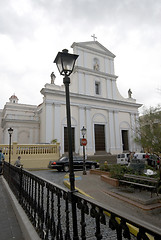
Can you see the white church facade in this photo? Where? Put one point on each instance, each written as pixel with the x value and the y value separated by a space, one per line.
pixel 95 102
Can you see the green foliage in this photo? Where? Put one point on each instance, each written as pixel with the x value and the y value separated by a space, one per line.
pixel 105 167
pixel 54 141
pixel 148 133
pixel 117 171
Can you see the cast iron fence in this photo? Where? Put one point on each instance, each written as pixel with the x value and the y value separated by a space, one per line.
pixel 49 208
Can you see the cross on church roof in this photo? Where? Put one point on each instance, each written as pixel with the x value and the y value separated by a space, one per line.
pixel 94 37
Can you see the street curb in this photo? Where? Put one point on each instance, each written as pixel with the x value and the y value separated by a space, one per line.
pixel 27 228
pixel 134 203
pixel 67 184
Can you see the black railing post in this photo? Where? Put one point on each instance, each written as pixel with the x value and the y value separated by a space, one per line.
pixel 9 157
pixel 20 190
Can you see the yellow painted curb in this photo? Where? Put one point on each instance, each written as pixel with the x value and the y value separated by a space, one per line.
pixel 67 184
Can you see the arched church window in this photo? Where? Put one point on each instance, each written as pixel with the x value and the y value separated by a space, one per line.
pixel 96 64
pixel 97 88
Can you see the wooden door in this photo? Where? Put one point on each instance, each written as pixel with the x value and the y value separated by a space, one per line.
pixel 99 137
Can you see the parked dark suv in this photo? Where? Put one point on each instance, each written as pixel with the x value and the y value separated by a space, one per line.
pixel 63 164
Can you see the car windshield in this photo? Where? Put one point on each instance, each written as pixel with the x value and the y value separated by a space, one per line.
pixel 63 159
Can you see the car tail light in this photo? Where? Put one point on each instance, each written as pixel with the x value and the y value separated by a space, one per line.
pixel 53 163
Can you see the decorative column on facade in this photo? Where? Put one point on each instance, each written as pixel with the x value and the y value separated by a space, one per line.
pixel 117 132
pixel 49 123
pixel 87 85
pixel 82 123
pixel 106 62
pixel 89 134
pixel 57 123
pixel 80 85
pixel 112 71
pixel 84 59
pixel 109 89
pixel 113 89
pixel 112 132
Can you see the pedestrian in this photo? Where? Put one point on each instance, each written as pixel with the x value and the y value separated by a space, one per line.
pixel 18 162
pixel 1 161
pixel 129 157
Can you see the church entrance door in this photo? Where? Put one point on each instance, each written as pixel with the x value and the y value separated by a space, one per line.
pixel 99 131
pixel 125 141
pixel 66 139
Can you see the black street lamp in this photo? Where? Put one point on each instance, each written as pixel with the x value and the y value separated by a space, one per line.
pixel 10 131
pixel 83 131
pixel 65 63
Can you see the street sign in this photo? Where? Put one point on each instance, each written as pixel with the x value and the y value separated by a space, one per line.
pixel 83 141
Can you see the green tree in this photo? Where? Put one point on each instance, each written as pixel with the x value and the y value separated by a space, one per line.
pixel 54 141
pixel 148 132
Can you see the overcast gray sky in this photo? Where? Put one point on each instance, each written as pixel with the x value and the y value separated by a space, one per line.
pixel 33 31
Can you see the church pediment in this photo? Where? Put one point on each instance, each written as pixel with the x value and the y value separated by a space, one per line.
pixel 93 46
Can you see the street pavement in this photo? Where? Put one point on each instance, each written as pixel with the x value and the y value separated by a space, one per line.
pixel 138 204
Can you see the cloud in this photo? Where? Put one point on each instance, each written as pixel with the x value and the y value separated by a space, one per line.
pixel 32 32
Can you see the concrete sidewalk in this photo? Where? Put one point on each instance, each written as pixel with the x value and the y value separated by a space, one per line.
pixel 9 226
pixel 134 203
pixel 14 223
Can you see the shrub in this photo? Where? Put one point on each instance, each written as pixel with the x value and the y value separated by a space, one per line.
pixel 105 168
pixel 118 171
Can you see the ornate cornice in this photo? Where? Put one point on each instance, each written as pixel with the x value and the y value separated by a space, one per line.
pixel 88 98
pixel 95 73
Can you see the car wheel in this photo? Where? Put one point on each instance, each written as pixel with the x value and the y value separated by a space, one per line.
pixel 93 166
pixel 66 168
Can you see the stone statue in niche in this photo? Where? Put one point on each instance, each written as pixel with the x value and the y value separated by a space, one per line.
pixel 52 78
pixel 96 64
pixel 129 93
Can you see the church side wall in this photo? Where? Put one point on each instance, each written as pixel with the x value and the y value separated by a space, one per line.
pixel 1 130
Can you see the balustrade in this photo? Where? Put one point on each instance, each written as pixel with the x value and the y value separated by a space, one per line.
pixel 32 155
pixel 48 207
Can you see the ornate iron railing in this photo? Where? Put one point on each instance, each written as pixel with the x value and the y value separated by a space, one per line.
pixel 49 208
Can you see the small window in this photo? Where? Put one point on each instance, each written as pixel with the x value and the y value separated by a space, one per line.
pixel 97 88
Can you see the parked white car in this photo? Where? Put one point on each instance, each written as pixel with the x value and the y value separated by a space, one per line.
pixel 140 156
pixel 122 158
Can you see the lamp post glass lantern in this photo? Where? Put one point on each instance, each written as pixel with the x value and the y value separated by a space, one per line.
pixel 65 63
pixel 83 131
